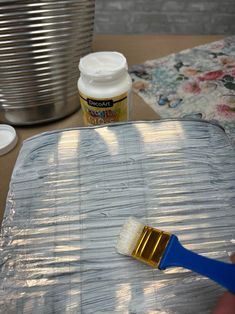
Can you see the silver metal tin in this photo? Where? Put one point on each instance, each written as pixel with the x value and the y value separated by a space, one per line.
pixel 41 43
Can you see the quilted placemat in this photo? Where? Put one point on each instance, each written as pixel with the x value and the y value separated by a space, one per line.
pixel 198 82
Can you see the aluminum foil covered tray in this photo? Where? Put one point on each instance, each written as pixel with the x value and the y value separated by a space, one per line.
pixel 70 193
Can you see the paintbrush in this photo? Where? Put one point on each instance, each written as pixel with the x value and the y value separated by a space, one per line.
pixel 162 250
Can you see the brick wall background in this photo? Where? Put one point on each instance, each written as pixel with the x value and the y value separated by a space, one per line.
pixel 165 17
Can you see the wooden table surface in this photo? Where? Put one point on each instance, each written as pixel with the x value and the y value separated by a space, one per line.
pixel 137 49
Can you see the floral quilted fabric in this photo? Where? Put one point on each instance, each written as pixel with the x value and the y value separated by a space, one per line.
pixel 198 82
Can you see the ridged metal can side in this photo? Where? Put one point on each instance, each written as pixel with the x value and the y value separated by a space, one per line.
pixel 41 43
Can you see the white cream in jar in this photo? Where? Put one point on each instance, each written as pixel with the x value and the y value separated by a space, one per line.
pixel 104 87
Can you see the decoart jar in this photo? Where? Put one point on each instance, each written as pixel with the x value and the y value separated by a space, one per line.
pixel 104 88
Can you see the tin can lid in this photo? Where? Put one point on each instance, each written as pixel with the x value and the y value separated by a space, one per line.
pixel 8 138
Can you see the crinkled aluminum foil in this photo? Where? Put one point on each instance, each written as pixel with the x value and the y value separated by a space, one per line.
pixel 72 190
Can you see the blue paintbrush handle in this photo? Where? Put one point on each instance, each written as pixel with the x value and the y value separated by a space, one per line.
pixel 176 255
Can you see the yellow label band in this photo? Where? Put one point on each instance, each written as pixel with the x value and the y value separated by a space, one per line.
pixel 107 110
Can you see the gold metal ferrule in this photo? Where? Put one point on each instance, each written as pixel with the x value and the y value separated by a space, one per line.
pixel 151 246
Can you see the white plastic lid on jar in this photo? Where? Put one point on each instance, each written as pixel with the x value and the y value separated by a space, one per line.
pixel 103 65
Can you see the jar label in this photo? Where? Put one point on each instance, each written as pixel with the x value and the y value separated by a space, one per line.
pixel 100 111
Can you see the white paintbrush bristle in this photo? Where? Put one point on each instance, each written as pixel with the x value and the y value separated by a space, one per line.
pixel 129 236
